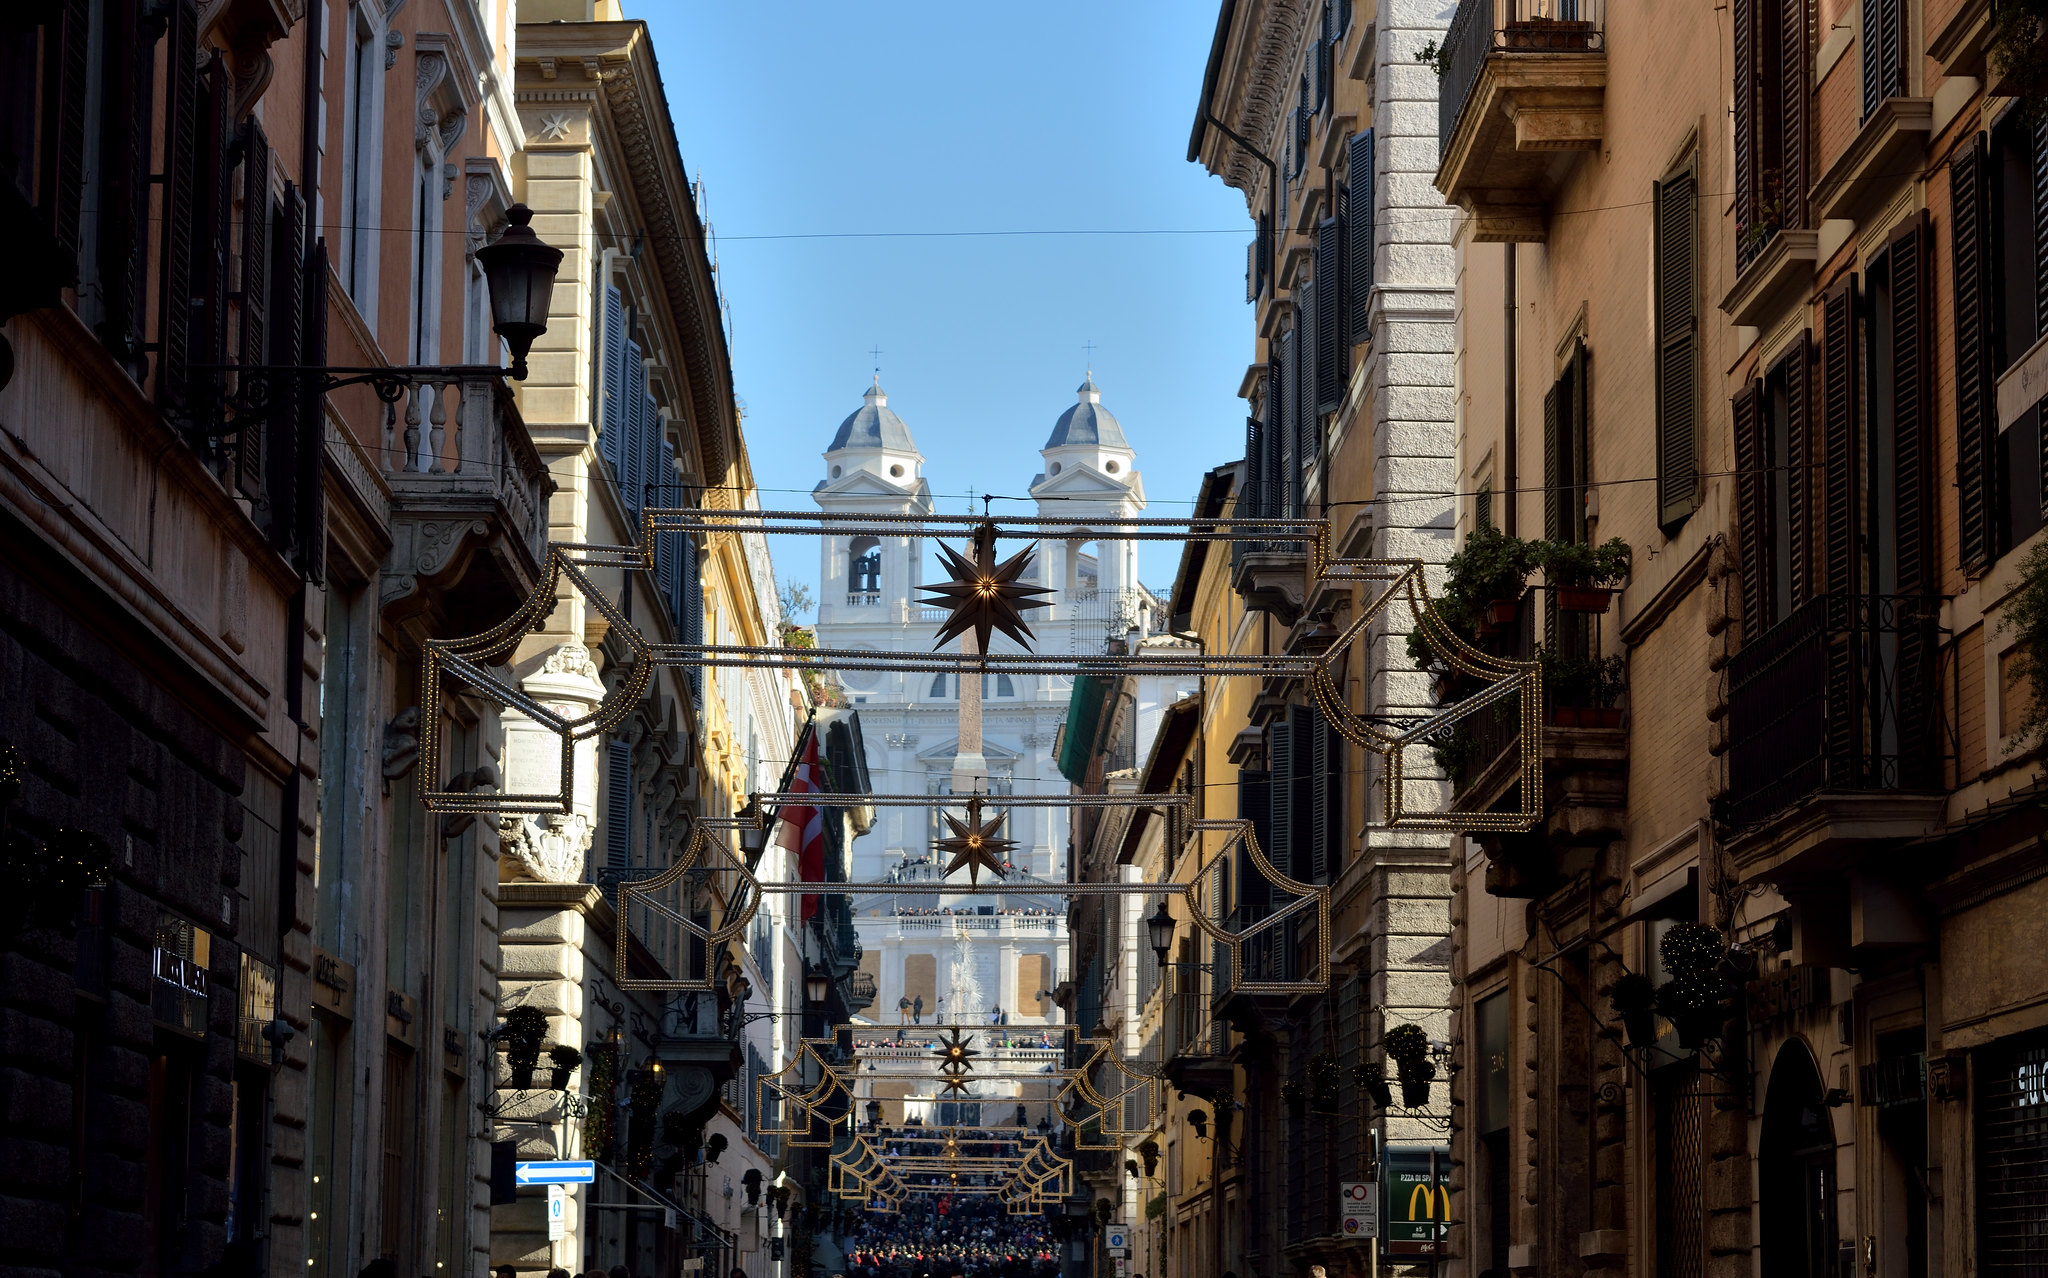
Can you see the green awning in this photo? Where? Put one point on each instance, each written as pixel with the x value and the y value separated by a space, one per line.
pixel 1084 722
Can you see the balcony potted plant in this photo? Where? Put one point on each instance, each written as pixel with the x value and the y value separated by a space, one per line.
pixel 1408 1046
pixel 562 1062
pixel 1694 998
pixel 524 1030
pixel 1584 577
pixel 1635 1001
pixel 1483 584
pixel 1371 1077
pixel 1581 691
pixel 1564 33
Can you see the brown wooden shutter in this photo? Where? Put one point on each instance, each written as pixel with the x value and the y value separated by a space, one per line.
pixel 1976 390
pixel 63 176
pixel 181 146
pixel 124 209
pixel 212 231
pixel 1677 320
pixel 1798 538
pixel 251 442
pixel 312 537
pixel 1745 92
pixel 1912 407
pixel 1579 438
pixel 1553 464
pixel 1331 349
pixel 1839 417
pixel 2017 343
pixel 286 317
pixel 1792 110
pixel 1752 510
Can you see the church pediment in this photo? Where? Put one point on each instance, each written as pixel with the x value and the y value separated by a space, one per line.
pixel 863 483
pixel 944 752
pixel 1083 480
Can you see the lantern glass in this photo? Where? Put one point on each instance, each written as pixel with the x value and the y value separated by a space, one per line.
pixel 520 271
pixel 1159 929
pixel 816 984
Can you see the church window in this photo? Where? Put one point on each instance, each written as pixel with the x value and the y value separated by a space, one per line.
pixel 837 472
pixel 938 685
pixel 1112 468
pixel 865 574
pixel 1055 468
pixel 896 471
pixel 1004 688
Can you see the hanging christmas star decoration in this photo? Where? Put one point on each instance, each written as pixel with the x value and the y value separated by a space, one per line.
pixel 975 844
pixel 955 1056
pixel 958 1083
pixel 984 595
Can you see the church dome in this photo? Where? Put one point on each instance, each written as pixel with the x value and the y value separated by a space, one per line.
pixel 873 425
pixel 1087 423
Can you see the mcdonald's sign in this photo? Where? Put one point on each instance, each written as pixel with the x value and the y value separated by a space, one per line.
pixel 1418 1201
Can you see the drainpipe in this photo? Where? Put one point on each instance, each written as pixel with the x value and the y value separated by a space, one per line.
pixel 1510 317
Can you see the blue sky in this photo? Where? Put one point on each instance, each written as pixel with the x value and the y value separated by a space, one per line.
pixel 804 117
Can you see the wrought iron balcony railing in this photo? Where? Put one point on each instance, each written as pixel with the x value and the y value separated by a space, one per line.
pixel 1840 695
pixel 1483 28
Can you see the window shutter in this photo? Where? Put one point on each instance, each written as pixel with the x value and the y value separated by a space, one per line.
pixel 124 216
pixel 2019 342
pixel 313 427
pixel 1677 319
pixel 1273 431
pixel 1553 464
pixel 1792 109
pixel 1884 65
pixel 64 126
pixel 1752 510
pixel 1867 45
pixel 1912 444
pixel 667 565
pixel 255 296
pixel 1303 809
pixel 618 804
pixel 1577 437
pixel 1308 348
pixel 693 612
pixel 1798 536
pixel 1358 244
pixel 1254 804
pixel 1288 476
pixel 181 146
pixel 286 312
pixel 1838 439
pixel 213 218
pixel 1319 72
pixel 1327 782
pixel 626 470
pixel 1293 144
pixel 1254 490
pixel 1280 207
pixel 653 474
pixel 1976 390
pixel 612 404
pixel 1330 349
pixel 1745 94
pixel 1891 34
pixel 1280 758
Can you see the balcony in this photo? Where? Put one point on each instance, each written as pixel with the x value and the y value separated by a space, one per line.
pixel 468 500
pixel 1523 88
pixel 1197 1042
pixel 1835 722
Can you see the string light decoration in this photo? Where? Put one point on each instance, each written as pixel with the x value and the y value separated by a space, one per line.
pixel 954 1053
pixel 985 596
pixel 975 845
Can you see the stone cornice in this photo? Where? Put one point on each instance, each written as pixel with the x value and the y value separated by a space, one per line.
pixel 1256 86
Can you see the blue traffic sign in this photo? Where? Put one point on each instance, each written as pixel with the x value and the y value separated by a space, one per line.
pixel 561 1173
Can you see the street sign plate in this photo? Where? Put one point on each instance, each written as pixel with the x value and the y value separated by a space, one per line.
pixel 1117 1238
pixel 1417 1201
pixel 1358 1209
pixel 558 1213
pixel 559 1173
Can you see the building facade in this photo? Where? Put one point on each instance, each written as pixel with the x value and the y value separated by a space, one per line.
pixel 1733 1002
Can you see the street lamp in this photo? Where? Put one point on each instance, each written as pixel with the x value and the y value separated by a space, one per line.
pixel 816 984
pixel 1159 928
pixel 753 830
pixel 874 1111
pixel 521 273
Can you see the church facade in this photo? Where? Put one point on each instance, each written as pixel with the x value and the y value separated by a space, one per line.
pixel 946 957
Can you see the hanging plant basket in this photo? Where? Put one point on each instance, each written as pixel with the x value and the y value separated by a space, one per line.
pixel 1502 612
pixel 1415 1093
pixel 524 1030
pixel 1584 598
pixel 1371 1077
pixel 562 1062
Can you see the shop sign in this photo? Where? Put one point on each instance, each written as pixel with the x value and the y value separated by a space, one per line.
pixel 1416 1205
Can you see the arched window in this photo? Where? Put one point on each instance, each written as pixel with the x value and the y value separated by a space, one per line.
pixel 938 685
pixel 1084 571
pixel 1004 688
pixel 864 571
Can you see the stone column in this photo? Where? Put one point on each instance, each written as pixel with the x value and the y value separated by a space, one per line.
pixel 970 768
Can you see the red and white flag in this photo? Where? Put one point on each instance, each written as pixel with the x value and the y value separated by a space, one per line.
pixel 803 825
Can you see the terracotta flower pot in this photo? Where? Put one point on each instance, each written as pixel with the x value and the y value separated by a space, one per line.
pixel 558 1078
pixel 1415 1093
pixel 522 1077
pixel 1501 612
pixel 1584 598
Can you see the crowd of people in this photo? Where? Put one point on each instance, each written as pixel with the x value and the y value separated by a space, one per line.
pixel 933 911
pixel 951 1237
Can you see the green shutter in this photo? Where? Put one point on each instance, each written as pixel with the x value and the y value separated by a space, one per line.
pixel 1677 331
pixel 1752 510
pixel 1976 389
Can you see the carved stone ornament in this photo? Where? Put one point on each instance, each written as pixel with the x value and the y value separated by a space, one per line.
pixel 475 195
pixel 570 659
pixel 441 121
pixel 546 849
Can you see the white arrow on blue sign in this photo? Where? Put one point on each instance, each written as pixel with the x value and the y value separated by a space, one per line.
pixel 561 1173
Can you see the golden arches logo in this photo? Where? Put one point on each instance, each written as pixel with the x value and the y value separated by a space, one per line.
pixel 1431 1196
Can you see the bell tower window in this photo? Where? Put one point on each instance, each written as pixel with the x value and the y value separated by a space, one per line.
pixel 864 571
